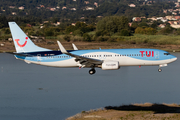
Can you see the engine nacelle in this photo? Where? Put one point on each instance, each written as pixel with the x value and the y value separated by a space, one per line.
pixel 110 65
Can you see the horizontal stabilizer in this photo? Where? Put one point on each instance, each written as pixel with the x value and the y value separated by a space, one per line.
pixel 20 54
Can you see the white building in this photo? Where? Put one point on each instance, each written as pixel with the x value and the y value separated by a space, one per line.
pixel 132 5
pixel 73 8
pixel 64 8
pixel 21 8
pixel 13 13
pixel 89 8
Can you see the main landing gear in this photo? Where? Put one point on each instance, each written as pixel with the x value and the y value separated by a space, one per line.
pixel 92 71
pixel 159 69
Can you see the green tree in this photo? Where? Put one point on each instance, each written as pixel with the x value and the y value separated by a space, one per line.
pixel 86 37
pixel 134 26
pixel 7 31
pixel 124 32
pixel 70 29
pixel 113 24
pixel 102 33
pixel 154 25
pixel 67 38
pixel 167 30
pixel 147 31
pixel 49 32
pixel 139 30
pixel 78 32
pixel 150 31
pixel 143 24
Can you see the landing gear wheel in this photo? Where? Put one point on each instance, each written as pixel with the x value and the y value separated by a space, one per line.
pixel 92 71
pixel 159 69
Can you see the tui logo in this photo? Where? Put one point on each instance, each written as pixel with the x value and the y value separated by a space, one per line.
pixel 150 54
pixel 17 41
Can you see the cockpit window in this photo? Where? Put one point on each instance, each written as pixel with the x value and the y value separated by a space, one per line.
pixel 166 53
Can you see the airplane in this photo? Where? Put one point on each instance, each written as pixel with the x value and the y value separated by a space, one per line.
pixel 107 59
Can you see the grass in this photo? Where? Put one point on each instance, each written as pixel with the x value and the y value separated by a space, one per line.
pixel 137 39
pixel 151 39
pixel 165 42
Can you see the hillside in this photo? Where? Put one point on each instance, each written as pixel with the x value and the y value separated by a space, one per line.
pixel 81 9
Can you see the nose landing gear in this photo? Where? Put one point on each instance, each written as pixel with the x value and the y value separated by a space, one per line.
pixel 162 65
pixel 92 71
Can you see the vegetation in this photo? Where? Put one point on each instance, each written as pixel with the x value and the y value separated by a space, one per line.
pixel 87 27
pixel 113 24
pixel 131 112
pixel 42 9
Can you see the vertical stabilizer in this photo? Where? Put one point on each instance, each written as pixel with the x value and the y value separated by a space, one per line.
pixel 21 40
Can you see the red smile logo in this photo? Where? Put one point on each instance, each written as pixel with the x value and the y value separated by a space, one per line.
pixel 17 41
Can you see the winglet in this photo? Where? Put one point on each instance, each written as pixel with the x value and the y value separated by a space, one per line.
pixel 74 46
pixel 63 50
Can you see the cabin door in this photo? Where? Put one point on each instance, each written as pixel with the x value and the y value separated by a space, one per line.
pixel 39 58
pixel 157 55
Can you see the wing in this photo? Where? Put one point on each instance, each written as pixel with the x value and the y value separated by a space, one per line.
pixel 84 61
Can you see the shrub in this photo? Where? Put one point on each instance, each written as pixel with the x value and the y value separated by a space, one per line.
pixel 86 37
pixel 166 31
pixel 102 33
pixel 105 38
pixel 112 40
pixel 78 32
pixel 147 31
pixel 124 32
pixel 150 31
pixel 76 38
pixel 177 32
pixel 67 38
pixel 139 30
pixel 49 33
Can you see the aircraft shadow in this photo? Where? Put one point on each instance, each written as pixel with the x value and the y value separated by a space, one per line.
pixel 157 108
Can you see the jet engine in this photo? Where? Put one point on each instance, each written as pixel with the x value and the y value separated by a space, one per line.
pixel 110 65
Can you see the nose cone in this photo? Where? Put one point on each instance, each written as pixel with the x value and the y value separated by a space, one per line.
pixel 173 58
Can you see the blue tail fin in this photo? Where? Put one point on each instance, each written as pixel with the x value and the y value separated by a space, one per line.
pixel 21 41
